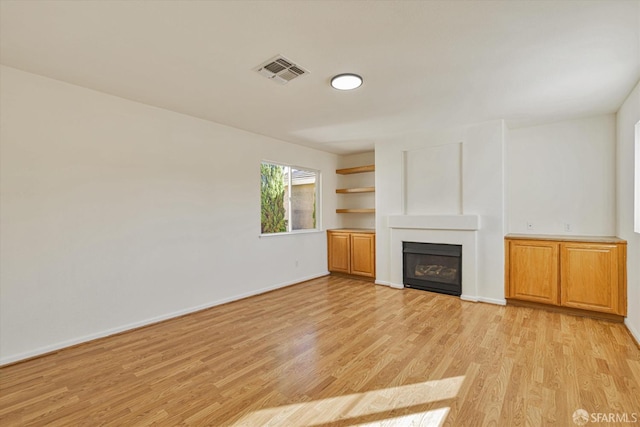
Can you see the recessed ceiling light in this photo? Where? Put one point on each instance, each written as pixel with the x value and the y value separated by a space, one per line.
pixel 346 81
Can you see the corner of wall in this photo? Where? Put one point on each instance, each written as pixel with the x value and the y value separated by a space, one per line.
pixel 626 118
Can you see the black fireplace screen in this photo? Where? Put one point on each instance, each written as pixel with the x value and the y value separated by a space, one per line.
pixel 433 267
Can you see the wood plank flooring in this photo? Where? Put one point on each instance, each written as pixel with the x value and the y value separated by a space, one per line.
pixel 335 352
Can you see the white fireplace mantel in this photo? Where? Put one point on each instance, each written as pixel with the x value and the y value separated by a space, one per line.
pixel 445 229
pixel 435 222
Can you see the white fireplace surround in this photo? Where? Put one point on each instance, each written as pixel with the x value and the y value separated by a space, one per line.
pixel 445 229
pixel 445 187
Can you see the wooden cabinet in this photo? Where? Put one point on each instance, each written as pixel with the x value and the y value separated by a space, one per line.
pixel 352 251
pixel 591 277
pixel 585 273
pixel 363 254
pixel 339 251
pixel 534 271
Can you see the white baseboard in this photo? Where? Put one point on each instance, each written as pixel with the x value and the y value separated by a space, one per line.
pixel 462 297
pixel 493 301
pixel 483 299
pixel 391 285
pixel 632 330
pixel 86 338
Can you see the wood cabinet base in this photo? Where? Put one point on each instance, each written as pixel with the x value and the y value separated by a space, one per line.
pixel 353 276
pixel 566 310
pixel 352 251
pixel 579 275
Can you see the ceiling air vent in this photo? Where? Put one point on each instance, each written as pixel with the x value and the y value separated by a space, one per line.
pixel 281 70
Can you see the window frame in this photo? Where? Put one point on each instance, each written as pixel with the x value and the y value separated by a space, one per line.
pixel 318 201
pixel 636 172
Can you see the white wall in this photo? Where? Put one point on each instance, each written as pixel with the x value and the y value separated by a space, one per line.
pixel 390 189
pixel 482 192
pixel 433 180
pixel 114 214
pixel 563 173
pixel 627 117
pixel 356 200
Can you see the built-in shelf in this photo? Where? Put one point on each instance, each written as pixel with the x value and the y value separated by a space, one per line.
pixel 356 190
pixel 359 169
pixel 349 171
pixel 355 210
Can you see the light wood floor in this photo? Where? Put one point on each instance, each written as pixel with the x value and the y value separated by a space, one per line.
pixel 336 352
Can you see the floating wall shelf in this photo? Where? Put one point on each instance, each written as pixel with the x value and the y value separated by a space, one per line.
pixel 349 171
pixel 355 210
pixel 359 169
pixel 356 190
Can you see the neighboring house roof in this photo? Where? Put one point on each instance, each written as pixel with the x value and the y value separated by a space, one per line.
pixel 301 177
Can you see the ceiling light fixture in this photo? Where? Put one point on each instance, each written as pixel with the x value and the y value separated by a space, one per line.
pixel 346 81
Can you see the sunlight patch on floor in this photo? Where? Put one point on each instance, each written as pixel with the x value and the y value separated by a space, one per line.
pixel 356 405
pixel 433 418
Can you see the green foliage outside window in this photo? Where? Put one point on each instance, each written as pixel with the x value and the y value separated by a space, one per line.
pixel 288 198
pixel 273 217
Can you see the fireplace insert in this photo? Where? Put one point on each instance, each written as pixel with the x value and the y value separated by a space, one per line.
pixel 432 267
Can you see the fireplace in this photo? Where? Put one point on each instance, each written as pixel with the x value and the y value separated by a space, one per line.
pixel 432 267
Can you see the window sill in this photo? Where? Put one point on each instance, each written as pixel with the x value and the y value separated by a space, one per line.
pixel 289 233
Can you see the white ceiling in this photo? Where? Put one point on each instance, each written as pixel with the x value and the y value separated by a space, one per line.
pixel 426 64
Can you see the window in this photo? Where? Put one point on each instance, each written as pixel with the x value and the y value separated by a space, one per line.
pixel 636 220
pixel 289 198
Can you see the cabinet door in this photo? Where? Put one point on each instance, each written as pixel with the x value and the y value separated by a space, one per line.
pixel 339 245
pixel 590 276
pixel 363 254
pixel 533 271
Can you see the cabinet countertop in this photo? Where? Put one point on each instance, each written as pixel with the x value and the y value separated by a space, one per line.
pixel 354 230
pixel 561 238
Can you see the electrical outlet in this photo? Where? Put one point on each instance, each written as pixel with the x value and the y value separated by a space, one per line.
pixel 529 226
pixel 567 227
pixel 296 263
